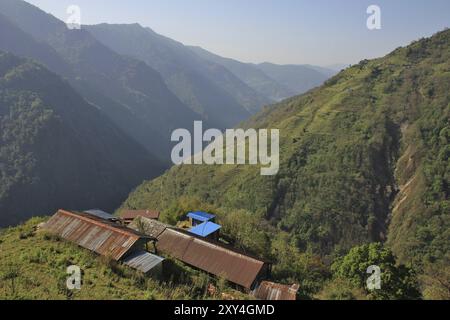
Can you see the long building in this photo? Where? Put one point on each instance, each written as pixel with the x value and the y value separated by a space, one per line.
pixel 105 238
pixel 206 255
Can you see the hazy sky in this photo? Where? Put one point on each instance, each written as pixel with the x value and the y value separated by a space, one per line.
pixel 321 32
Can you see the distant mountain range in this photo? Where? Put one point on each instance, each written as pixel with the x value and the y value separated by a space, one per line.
pixel 141 84
pixel 223 90
pixel 277 82
pixel 297 78
pixel 207 89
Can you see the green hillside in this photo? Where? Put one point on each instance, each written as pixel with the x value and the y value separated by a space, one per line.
pixel 364 158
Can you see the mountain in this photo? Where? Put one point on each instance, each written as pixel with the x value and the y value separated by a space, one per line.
pixel 337 67
pixel 14 40
pixel 297 78
pixel 250 74
pixel 327 71
pixel 56 150
pixel 278 82
pixel 130 92
pixel 363 158
pixel 208 88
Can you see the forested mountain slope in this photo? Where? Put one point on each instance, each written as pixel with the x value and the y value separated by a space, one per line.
pixel 364 158
pixel 129 91
pixel 56 150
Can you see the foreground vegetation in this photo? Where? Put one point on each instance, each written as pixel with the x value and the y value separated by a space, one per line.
pixel 33 266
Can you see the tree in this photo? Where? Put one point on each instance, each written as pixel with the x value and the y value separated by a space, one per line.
pixel 436 280
pixel 397 282
pixel 341 289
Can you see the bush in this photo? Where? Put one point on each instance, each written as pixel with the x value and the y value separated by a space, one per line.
pixel 397 282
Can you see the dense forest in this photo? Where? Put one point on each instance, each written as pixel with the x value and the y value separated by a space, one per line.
pixel 56 150
pixel 364 159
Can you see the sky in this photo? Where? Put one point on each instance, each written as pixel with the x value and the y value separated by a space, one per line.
pixel 318 32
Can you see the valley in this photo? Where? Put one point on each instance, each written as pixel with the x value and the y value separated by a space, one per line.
pixel 303 178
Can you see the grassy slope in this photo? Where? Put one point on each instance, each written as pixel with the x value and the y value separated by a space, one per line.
pixel 343 151
pixel 40 262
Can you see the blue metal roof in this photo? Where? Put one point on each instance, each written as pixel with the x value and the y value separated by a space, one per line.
pixel 201 216
pixel 205 229
pixel 100 214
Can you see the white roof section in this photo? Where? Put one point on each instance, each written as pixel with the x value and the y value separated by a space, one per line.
pixel 143 261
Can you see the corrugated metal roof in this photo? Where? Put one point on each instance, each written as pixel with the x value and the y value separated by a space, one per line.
pixel 143 261
pixel 132 214
pixel 201 216
pixel 211 257
pixel 150 227
pixel 100 214
pixel 205 229
pixel 95 234
pixel 275 291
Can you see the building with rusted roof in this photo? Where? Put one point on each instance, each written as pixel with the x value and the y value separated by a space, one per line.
pixel 103 237
pixel 150 227
pixel 204 254
pixel 129 215
pixel 275 291
pixel 213 258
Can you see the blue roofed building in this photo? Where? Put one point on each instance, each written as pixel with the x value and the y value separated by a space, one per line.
pixel 101 214
pixel 206 229
pixel 203 225
pixel 199 217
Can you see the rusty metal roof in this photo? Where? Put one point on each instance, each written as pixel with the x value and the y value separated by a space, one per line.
pixel 211 257
pixel 132 214
pixel 275 291
pixel 143 261
pixel 93 233
pixel 150 227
